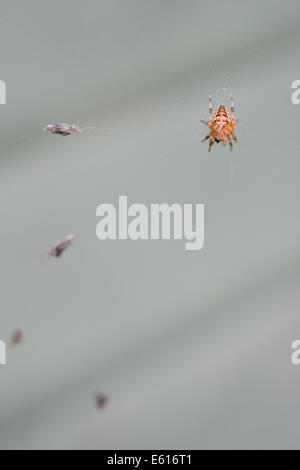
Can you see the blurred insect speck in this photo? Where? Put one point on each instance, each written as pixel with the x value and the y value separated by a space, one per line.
pixel 58 248
pixel 61 128
pixel 101 400
pixel 17 337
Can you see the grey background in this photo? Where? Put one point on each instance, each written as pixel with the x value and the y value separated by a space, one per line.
pixel 193 348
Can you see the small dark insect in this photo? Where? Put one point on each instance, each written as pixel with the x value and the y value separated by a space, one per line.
pixel 17 337
pixel 101 400
pixel 61 128
pixel 58 248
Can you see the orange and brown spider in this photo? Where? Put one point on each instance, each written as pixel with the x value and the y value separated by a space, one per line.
pixel 221 128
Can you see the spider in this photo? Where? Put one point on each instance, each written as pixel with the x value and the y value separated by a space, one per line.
pixel 221 128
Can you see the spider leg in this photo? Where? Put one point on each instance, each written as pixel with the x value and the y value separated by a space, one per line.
pixel 205 122
pixel 205 138
pixel 211 143
pixel 234 137
pixel 230 142
pixel 210 108
pixel 232 108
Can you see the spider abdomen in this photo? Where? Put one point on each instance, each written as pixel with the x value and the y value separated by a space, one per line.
pixel 220 123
